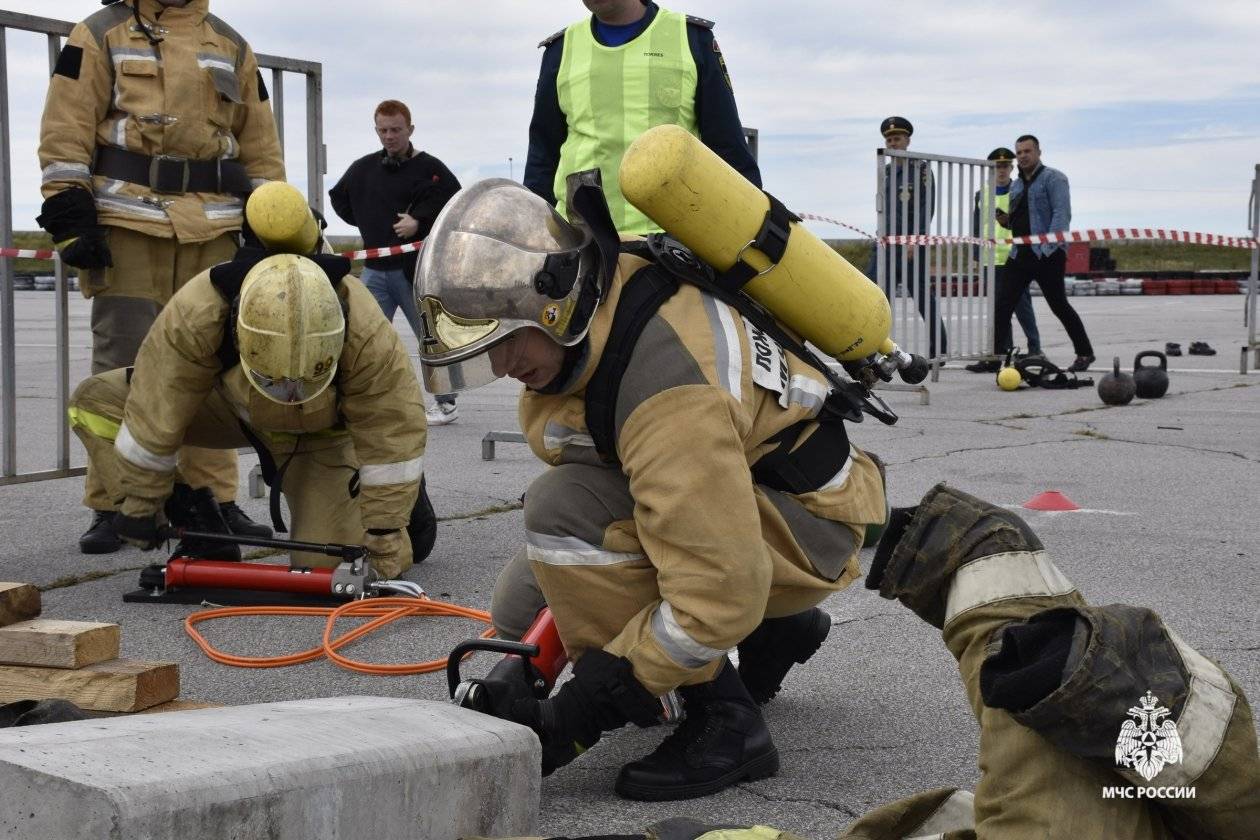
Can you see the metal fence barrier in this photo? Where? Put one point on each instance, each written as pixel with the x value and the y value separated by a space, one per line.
pixel 941 292
pixel 55 30
pixel 1252 347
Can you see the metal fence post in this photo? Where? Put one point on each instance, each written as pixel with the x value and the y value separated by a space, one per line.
pixel 8 349
pixel 316 154
pixel 1253 282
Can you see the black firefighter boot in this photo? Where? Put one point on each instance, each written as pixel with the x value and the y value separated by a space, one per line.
pixel 775 646
pixel 722 741
pixel 240 524
pixel 100 537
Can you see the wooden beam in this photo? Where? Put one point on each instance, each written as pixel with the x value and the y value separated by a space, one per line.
pixel 53 643
pixel 120 685
pixel 18 602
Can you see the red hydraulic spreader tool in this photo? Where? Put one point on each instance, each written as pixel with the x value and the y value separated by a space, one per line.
pixel 535 663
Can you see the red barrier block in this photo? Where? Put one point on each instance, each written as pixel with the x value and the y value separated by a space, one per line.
pixel 1154 287
pixel 1227 287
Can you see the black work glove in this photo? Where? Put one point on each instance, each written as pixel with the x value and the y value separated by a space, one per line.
pixel 70 217
pixel 603 695
pixel 144 532
pixel 89 250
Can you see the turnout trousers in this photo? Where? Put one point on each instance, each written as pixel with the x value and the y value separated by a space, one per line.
pixel 126 300
pixel 583 558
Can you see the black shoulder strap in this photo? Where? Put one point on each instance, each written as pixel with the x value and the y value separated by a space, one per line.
pixel 551 39
pixel 641 296
pixel 700 22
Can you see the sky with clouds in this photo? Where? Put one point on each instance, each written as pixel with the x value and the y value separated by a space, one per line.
pixel 1152 108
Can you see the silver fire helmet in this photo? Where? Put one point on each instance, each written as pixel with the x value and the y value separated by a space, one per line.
pixel 499 259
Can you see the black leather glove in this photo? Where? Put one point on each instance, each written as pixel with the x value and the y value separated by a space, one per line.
pixel 70 217
pixel 89 250
pixel 603 695
pixel 144 532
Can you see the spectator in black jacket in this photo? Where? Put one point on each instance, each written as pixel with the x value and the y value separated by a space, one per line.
pixel 392 196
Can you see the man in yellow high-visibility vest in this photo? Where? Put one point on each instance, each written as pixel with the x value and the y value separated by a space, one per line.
pixel 985 206
pixel 608 78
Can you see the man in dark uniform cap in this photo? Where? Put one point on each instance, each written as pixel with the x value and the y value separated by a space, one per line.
pixel 909 199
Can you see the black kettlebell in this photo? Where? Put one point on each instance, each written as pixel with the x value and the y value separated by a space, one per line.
pixel 1151 382
pixel 1116 388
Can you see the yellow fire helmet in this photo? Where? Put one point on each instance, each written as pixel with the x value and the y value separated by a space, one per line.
pixel 290 328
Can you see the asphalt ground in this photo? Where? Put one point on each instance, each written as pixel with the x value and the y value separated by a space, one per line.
pixel 1168 490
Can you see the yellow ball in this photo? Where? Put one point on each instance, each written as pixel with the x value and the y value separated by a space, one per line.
pixel 1008 379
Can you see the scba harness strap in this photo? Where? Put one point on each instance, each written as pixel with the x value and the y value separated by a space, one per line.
pixel 794 466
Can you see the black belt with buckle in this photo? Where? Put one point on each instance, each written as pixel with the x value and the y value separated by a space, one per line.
pixel 169 174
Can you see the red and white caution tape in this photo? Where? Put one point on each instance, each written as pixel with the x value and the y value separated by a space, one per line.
pixel 1069 236
pixel 25 254
pixel 366 254
pixel 1120 234
pixel 813 218
pixel 376 253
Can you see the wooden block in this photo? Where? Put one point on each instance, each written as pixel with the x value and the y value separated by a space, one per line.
pixel 119 685
pixel 18 602
pixel 52 643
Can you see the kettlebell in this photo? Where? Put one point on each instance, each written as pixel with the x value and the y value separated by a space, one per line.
pixel 1151 382
pixel 1116 388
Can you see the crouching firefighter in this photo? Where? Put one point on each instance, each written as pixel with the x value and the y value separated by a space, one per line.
pixel 703 493
pixel 291 355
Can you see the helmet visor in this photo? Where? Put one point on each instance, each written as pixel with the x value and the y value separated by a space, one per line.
pixel 449 337
pixel 458 376
pixel 289 391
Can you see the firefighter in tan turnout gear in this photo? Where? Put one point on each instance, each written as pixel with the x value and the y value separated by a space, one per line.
pixel 291 355
pixel 699 530
pixel 155 127
pixel 1095 722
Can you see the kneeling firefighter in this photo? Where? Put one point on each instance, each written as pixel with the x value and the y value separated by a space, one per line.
pixel 703 493
pixel 289 354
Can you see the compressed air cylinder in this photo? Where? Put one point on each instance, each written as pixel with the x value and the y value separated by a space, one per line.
pixel 697 198
pixel 278 214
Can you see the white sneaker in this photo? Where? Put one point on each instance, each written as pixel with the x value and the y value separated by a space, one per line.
pixel 442 414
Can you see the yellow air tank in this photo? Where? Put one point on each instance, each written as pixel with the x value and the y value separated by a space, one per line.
pixel 278 214
pixel 697 198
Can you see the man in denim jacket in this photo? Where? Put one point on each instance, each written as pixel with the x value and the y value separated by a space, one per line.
pixel 1040 203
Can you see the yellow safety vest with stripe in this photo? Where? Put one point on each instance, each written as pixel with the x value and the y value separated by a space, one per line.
pixel 988 204
pixel 611 95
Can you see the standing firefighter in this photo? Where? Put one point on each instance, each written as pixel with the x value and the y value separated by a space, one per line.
pixel 700 497
pixel 155 127
pixel 289 354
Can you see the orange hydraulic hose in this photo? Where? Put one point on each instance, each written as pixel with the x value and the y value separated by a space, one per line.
pixel 382 610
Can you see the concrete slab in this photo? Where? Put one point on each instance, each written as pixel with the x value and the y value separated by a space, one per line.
pixel 341 767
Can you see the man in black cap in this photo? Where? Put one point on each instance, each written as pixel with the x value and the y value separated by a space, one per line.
pixel 986 207
pixel 909 199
